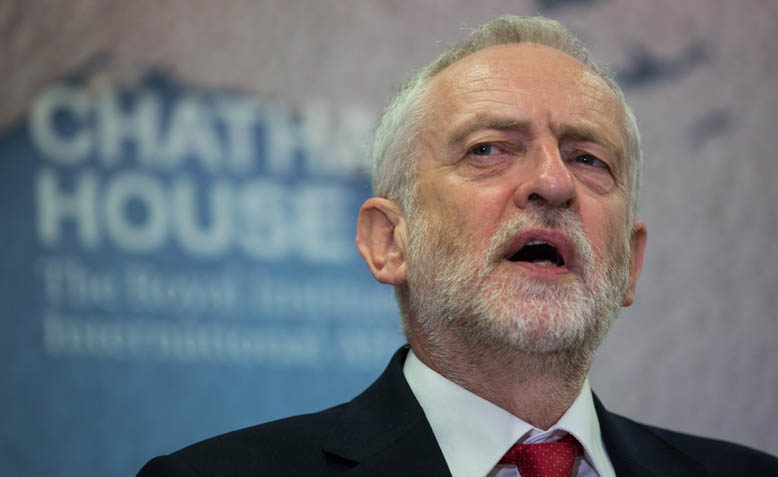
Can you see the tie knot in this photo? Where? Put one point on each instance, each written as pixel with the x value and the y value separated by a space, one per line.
pixel 545 459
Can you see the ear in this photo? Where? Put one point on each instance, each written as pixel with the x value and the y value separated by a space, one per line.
pixel 637 247
pixel 382 236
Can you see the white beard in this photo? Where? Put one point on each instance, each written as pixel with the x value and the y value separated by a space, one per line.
pixel 490 306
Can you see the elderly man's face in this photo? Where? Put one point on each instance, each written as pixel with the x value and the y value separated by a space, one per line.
pixel 522 196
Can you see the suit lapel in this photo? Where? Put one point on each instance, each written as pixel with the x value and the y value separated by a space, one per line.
pixel 635 450
pixel 383 431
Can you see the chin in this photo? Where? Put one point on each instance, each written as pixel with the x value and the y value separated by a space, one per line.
pixel 536 317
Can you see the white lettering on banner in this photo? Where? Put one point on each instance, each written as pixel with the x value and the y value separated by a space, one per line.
pixel 55 205
pixel 228 292
pixel 149 289
pixel 239 116
pixel 145 170
pixel 68 282
pixel 345 155
pixel 318 297
pixel 147 311
pixel 306 346
pixel 265 218
pixel 262 234
pixel 309 220
pixel 101 126
pixel 202 240
pixel 261 218
pixel 66 149
pixel 86 336
pixel 281 140
pixel 191 135
pixel 216 133
pixel 321 222
pixel 138 236
pixel 139 126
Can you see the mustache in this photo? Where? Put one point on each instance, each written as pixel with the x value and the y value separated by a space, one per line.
pixel 564 221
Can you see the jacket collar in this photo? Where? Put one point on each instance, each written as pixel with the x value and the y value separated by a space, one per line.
pixel 384 430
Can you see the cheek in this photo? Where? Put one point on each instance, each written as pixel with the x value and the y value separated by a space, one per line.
pixel 479 214
pixel 463 205
pixel 605 229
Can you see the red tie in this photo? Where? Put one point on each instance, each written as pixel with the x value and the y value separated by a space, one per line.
pixel 546 459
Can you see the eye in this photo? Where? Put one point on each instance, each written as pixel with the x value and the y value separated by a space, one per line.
pixel 485 149
pixel 589 160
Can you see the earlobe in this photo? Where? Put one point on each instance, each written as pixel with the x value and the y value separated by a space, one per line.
pixel 637 248
pixel 382 238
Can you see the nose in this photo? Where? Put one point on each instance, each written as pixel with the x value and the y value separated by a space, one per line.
pixel 545 179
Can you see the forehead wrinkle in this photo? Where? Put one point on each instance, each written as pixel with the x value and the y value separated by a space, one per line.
pixel 486 119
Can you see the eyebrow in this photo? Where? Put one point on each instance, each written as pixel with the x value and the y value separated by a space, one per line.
pixel 484 121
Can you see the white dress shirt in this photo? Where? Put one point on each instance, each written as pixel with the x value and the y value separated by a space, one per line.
pixel 474 434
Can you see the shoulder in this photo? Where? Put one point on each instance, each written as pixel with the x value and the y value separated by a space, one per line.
pixel 721 457
pixel 718 457
pixel 373 427
pixel 291 446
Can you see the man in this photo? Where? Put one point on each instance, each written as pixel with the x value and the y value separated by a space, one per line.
pixel 506 176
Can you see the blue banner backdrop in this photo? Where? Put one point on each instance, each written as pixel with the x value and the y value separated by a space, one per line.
pixel 179 262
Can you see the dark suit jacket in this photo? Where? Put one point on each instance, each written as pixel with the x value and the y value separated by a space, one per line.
pixel 383 432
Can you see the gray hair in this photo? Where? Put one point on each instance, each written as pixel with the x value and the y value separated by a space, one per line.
pixel 394 151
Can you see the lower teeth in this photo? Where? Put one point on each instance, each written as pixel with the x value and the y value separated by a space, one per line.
pixel 545 263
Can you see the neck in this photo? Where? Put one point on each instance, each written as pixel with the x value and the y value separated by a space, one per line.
pixel 537 388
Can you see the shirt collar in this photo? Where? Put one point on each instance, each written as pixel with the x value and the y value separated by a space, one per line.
pixel 474 434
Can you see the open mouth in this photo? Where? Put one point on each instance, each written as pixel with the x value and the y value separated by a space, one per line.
pixel 539 252
pixel 544 247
